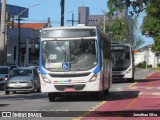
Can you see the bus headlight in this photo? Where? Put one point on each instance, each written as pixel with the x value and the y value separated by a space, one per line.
pixel 93 78
pixel 45 79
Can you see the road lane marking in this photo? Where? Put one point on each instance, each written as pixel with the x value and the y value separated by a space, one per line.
pixel 90 110
pixel 132 84
pixel 140 93
pixel 131 103
pixel 156 93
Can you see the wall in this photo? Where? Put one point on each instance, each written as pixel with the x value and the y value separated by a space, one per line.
pixel 146 55
pixel 12 43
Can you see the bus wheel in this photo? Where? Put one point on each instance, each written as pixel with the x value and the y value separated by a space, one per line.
pixel 130 80
pixel 98 95
pixel 7 92
pixel 51 97
pixel 106 92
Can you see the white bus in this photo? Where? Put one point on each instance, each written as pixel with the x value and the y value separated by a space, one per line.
pixel 75 61
pixel 122 62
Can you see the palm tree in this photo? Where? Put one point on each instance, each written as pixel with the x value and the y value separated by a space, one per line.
pixel 62 12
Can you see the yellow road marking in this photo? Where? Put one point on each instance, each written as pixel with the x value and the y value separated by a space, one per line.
pixel 132 84
pixel 92 109
pixel 131 103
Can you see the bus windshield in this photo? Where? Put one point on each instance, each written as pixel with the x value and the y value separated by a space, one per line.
pixel 69 55
pixel 121 59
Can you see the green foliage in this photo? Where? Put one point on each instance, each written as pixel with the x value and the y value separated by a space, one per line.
pixel 151 23
pixel 120 27
pixel 143 65
pixel 138 41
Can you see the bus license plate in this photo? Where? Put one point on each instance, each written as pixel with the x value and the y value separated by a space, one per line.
pixel 69 89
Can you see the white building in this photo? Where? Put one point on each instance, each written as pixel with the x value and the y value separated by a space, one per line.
pixel 146 54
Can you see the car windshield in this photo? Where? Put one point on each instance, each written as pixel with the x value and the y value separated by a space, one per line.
pixel 69 55
pixel 21 72
pixel 121 58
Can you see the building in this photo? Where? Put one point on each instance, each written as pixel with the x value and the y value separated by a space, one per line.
pixel 11 14
pixel 145 54
pixel 25 35
pixel 84 17
pixel 28 35
pixel 12 11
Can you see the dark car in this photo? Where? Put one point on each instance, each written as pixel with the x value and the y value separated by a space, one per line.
pixel 22 79
pixel 4 70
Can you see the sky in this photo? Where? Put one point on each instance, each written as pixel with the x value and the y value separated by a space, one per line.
pixel 51 8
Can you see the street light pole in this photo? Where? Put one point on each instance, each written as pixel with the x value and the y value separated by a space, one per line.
pixel 62 12
pixel 19 31
pixel 19 39
pixel 2 34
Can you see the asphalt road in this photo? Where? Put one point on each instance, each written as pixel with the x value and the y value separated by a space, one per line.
pixel 23 101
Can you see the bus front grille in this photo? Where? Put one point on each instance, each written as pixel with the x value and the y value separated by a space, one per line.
pixel 76 87
pixel 70 75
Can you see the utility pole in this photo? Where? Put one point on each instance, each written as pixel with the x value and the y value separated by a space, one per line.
pixel 72 20
pixel 62 12
pixel 19 39
pixel 2 33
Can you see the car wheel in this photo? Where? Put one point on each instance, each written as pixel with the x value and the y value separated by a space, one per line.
pixel 33 91
pixel 7 92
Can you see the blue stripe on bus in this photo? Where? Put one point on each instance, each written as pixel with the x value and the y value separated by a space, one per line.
pixel 42 71
pixel 97 69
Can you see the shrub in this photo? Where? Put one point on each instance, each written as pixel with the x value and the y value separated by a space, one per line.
pixel 143 65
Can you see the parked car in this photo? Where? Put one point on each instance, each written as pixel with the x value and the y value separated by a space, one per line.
pixel 22 79
pixel 4 70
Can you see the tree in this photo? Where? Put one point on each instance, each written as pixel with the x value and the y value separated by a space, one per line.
pixel 151 23
pixel 119 5
pixel 117 29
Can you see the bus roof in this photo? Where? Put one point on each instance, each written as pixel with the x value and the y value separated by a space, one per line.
pixel 71 27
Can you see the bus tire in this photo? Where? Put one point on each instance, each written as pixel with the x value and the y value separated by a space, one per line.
pixel 7 92
pixel 130 80
pixel 106 92
pixel 98 95
pixel 51 97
